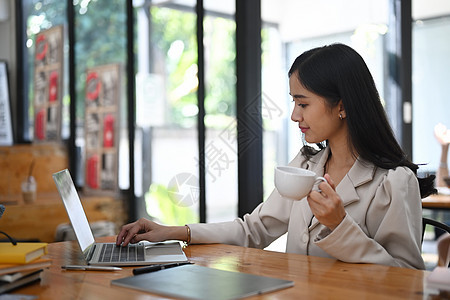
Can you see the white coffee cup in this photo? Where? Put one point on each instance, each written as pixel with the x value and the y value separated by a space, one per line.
pixel 295 183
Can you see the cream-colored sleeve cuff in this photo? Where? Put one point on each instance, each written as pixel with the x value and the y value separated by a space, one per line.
pixel 325 232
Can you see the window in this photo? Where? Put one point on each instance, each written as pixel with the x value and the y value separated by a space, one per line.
pixel 37 17
pixel 166 114
pixel 431 70
pixel 100 42
pixel 100 38
pixel 220 115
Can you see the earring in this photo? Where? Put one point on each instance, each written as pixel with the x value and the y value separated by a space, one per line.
pixel 340 117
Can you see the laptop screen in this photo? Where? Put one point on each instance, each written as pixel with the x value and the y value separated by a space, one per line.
pixel 74 208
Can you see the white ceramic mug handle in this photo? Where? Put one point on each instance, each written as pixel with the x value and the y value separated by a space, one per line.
pixel 317 182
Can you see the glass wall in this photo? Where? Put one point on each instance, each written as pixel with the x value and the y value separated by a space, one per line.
pixel 220 113
pixel 38 17
pixel 430 73
pixel 166 114
pixel 101 136
pixel 431 70
pixel 100 39
pixel 167 111
pixel 274 109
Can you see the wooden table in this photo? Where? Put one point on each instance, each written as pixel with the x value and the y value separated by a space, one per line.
pixel 314 277
pixel 438 201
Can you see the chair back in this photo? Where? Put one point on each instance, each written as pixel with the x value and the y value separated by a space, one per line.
pixel 443 241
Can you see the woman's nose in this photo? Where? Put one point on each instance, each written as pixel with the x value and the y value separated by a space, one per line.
pixel 296 115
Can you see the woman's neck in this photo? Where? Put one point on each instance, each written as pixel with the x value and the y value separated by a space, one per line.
pixel 340 161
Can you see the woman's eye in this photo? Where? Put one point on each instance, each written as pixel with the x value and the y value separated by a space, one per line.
pixel 300 104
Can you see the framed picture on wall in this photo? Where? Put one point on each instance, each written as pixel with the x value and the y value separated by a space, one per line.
pixel 6 134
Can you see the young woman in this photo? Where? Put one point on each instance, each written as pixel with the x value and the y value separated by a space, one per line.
pixel 368 211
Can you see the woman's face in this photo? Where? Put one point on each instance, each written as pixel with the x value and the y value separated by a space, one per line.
pixel 314 117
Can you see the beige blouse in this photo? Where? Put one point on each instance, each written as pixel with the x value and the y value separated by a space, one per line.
pixel 383 224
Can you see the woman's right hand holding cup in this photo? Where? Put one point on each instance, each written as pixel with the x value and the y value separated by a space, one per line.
pixel 326 204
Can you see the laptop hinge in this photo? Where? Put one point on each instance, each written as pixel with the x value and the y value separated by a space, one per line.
pixel 91 253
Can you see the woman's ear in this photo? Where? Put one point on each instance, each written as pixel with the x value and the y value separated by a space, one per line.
pixel 342 113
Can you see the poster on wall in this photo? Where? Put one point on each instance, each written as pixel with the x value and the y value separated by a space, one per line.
pixel 6 134
pixel 102 94
pixel 48 77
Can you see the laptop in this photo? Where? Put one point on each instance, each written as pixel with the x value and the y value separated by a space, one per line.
pixel 142 253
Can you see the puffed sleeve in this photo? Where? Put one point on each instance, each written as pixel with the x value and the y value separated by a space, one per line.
pixel 393 224
pixel 266 223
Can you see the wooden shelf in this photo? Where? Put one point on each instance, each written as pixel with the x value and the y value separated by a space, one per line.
pixel 15 162
pixel 40 219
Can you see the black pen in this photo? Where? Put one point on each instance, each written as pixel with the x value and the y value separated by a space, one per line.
pixel 154 268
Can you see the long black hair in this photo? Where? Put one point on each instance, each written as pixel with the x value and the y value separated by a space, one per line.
pixel 337 72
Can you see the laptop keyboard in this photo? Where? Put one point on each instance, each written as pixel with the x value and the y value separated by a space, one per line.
pixel 113 253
